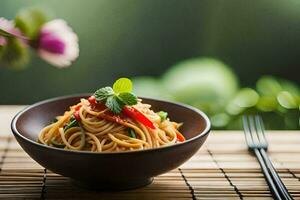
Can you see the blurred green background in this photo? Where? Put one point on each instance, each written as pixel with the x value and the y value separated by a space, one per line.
pixel 130 38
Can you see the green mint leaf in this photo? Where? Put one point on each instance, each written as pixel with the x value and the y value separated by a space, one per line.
pixel 163 115
pixel 287 100
pixel 103 93
pixel 30 21
pixel 128 98
pixel 122 85
pixel 113 104
pixel 117 97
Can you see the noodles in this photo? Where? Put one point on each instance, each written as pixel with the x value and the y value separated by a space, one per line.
pixel 93 127
pixel 111 120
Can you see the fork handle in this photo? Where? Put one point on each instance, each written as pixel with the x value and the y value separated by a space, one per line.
pixel 270 182
pixel 277 180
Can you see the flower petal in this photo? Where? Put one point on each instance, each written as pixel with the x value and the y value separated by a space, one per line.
pixel 59 36
pixel 51 43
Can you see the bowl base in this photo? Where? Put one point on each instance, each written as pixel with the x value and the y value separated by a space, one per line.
pixel 110 186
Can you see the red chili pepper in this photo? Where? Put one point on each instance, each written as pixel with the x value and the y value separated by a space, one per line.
pixel 76 115
pixel 138 116
pixel 180 137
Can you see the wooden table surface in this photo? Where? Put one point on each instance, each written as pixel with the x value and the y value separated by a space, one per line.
pixel 222 169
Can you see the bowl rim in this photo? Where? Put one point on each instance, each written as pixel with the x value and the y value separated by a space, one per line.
pixel 18 134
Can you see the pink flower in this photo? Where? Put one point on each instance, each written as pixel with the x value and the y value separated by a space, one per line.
pixel 57 43
pixel 10 28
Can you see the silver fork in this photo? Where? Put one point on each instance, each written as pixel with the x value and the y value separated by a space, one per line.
pixel 257 142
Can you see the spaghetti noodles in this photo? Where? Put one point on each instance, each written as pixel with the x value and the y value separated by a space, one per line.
pixel 99 130
pixel 111 120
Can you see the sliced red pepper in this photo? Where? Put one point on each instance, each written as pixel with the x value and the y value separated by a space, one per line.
pixel 92 100
pixel 96 105
pixel 138 116
pixel 179 136
pixel 76 115
pixel 113 118
pixel 77 107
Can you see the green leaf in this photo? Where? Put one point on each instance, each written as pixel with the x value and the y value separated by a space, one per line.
pixel 29 21
pixel 220 120
pixel 203 81
pixel 103 93
pixel 290 87
pixel 287 100
pixel 268 85
pixel 113 104
pixel 234 109
pixel 246 98
pixel 122 85
pixel 116 98
pixel 267 103
pixel 128 98
pixel 163 115
pixel 14 54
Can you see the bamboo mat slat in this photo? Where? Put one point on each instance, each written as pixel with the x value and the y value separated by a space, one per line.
pixel 222 169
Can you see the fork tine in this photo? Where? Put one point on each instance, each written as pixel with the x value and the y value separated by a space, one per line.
pixel 253 131
pixel 247 132
pixel 261 131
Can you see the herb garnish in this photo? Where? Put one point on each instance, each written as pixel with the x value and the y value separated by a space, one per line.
pixel 73 122
pixel 163 115
pixel 131 133
pixel 117 97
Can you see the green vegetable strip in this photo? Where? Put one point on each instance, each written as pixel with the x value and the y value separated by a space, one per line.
pixel 56 144
pixel 163 115
pixel 71 124
pixel 131 133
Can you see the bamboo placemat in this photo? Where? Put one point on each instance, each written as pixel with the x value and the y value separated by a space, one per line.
pixel 222 169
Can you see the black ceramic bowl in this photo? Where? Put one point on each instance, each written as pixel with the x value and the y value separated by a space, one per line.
pixel 118 170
